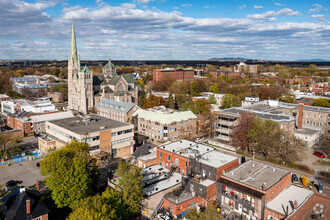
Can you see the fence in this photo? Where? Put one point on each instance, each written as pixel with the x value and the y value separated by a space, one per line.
pixel 19 159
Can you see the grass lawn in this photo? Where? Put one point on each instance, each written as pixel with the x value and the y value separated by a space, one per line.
pixel 322 162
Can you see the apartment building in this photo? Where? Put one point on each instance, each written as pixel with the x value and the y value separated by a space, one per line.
pixel 20 123
pixel 116 110
pixel 102 135
pixel 164 124
pixel 249 187
pixel 177 74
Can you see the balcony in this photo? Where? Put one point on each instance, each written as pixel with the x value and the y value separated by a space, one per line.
pixel 222 129
pixel 244 202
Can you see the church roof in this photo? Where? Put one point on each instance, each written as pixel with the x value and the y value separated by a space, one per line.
pixel 86 70
pixel 115 105
pixel 128 78
pixel 114 80
pixel 109 65
pixel 107 90
pixel 97 80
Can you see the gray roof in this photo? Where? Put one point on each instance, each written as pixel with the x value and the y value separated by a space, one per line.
pixel 93 124
pixel 255 174
pixel 287 198
pixel 124 107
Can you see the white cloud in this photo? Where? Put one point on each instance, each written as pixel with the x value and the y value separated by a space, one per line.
pixel 128 32
pixel 317 7
pixel 186 5
pixel 278 4
pixel 144 1
pixel 175 8
pixel 206 6
pixel 319 17
pixel 258 6
pixel 270 15
pixel 242 6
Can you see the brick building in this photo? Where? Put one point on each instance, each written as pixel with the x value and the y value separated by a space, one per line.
pixel 102 135
pixel 200 166
pixel 177 74
pixel 230 75
pixel 164 124
pixel 20 123
pixel 247 188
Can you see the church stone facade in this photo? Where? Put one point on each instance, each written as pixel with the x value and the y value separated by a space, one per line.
pixel 85 90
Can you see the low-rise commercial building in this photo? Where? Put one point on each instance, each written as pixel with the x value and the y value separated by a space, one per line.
pixel 102 135
pixel 22 105
pixel 176 74
pixel 164 124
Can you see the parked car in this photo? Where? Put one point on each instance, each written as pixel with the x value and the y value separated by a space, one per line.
pixel 294 179
pixel 198 140
pixel 320 188
pixel 11 183
pixel 318 154
pixel 38 164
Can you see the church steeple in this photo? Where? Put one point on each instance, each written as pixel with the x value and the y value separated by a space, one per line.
pixel 73 60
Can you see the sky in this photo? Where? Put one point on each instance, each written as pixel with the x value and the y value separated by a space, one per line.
pixel 166 29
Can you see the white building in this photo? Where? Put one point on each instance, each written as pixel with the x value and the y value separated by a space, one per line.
pixel 39 106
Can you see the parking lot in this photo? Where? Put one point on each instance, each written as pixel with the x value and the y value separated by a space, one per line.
pixel 26 171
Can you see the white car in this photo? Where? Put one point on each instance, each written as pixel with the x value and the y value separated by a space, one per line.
pixel 198 140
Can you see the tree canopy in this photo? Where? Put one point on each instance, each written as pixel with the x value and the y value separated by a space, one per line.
pixel 129 186
pixel 210 213
pixel 322 102
pixel 70 173
pixel 229 101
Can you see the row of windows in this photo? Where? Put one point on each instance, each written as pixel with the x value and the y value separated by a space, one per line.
pixel 60 132
pixel 121 132
pixel 121 141
pixel 314 123
pixel 177 160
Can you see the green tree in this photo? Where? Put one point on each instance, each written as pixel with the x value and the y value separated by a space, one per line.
pixel 194 89
pixel 70 173
pixel 129 186
pixel 142 98
pixel 229 101
pixel 107 206
pixel 214 88
pixel 288 99
pixel 7 144
pixel 212 100
pixel 322 102
pixel 171 101
pixel 212 212
pixel 223 78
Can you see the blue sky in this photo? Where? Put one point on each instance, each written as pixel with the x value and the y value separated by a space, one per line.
pixel 166 29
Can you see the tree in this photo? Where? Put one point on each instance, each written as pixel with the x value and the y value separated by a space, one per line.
pixel 70 173
pixel 142 98
pixel 241 131
pixel 288 99
pixel 6 143
pixel 325 143
pixel 197 107
pixel 153 101
pixel 212 212
pixel 229 101
pixel 322 102
pixel 212 100
pixel 214 88
pixel 194 89
pixel 171 101
pixel 129 186
pixel 107 206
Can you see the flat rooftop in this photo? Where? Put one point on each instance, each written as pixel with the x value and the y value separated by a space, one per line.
pixel 91 124
pixel 287 198
pixel 186 148
pixel 157 187
pixel 216 159
pixel 306 131
pixel 256 174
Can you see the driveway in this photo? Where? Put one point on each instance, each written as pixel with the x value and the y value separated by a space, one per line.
pixel 26 171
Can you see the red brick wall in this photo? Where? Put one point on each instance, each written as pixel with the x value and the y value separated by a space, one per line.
pixel 105 141
pixel 274 214
pixel 227 167
pixel 212 192
pixel 278 187
pixel 147 163
pixel 173 157
pixel 183 75
pixel 16 124
pixel 184 206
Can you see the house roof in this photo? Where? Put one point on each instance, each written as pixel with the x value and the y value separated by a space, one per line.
pixel 285 200
pixel 124 107
pixel 144 150
pixel 128 78
pixel 114 80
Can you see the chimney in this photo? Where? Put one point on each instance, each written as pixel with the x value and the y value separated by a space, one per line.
pixel 295 204
pixel 28 211
pixel 37 185
pixel 264 187
pixel 300 115
pixel 223 172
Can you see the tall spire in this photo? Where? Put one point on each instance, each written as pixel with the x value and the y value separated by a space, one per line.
pixel 73 55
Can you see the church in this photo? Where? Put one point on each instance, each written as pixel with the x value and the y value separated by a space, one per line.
pixel 85 89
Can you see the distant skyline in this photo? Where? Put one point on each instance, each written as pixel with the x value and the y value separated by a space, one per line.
pixel 166 29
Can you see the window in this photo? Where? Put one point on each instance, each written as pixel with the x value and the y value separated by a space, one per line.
pixel 314 123
pixel 321 116
pixel 186 164
pixel 167 165
pixel 114 152
pixel 177 161
pixel 160 154
pixel 307 122
pixel 321 124
pixel 168 157
pixel 182 171
pixel 178 170
pixel 200 189
pixel 314 115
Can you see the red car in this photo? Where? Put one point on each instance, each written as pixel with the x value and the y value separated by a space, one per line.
pixel 318 154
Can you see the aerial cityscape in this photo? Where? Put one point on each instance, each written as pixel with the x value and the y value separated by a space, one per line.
pixel 162 109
